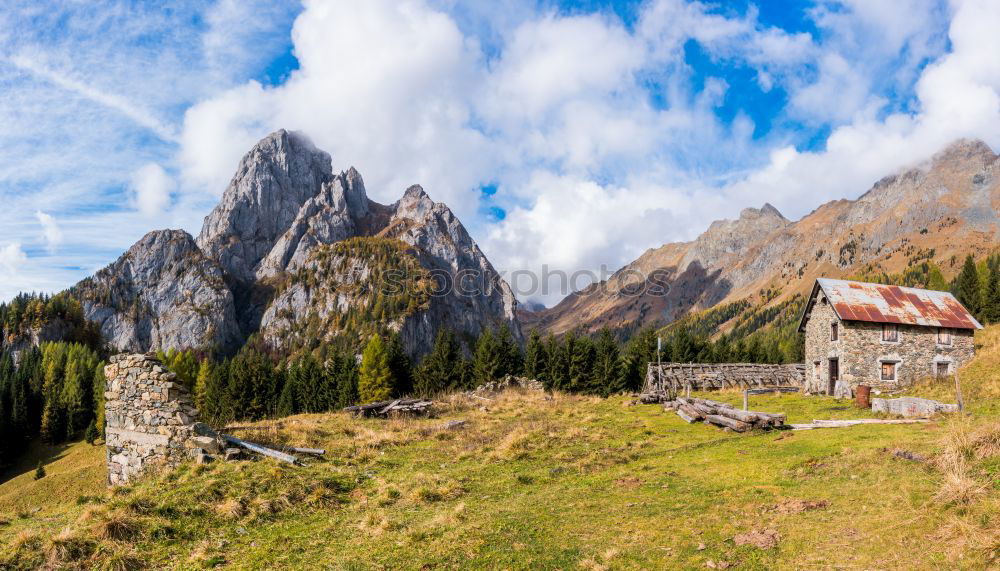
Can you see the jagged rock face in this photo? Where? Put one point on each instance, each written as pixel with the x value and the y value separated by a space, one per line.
pixel 438 243
pixel 283 208
pixel 273 181
pixel 335 213
pixel 941 210
pixel 162 293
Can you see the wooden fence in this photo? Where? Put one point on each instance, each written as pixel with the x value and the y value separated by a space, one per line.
pixel 677 376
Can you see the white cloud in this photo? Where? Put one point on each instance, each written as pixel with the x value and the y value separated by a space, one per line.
pixel 51 232
pixel 12 257
pixel 602 138
pixel 113 101
pixel 151 188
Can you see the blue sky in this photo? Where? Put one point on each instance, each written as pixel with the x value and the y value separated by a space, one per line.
pixel 567 135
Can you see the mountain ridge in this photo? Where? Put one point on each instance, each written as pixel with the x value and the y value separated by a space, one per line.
pixel 945 205
pixel 283 205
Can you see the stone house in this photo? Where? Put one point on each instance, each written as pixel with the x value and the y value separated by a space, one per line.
pixel 882 336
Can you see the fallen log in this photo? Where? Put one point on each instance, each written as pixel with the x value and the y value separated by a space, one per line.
pixel 687 418
pixel 691 411
pixel 310 451
pixel 727 422
pixel 384 408
pixel 747 416
pixel 260 449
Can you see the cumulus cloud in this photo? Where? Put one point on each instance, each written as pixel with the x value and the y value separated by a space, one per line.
pixel 51 233
pixel 151 188
pixel 12 257
pixel 600 144
pixel 600 136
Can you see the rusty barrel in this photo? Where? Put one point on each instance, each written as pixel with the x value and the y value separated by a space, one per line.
pixel 862 396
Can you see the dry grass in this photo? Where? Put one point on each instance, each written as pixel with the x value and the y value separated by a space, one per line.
pixel 556 481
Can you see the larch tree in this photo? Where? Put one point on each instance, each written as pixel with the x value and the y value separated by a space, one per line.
pixel 375 379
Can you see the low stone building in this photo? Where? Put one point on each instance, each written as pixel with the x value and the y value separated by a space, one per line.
pixel 882 336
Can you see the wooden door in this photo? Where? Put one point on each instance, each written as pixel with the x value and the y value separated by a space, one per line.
pixel 834 375
pixel 942 369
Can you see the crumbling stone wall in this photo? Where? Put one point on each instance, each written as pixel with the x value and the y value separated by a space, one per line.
pixel 150 417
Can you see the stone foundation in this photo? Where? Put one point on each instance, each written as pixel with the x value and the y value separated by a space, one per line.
pixel 150 417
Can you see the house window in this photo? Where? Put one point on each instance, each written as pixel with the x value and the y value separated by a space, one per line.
pixel 833 332
pixel 888 371
pixel 890 333
pixel 943 336
pixel 816 370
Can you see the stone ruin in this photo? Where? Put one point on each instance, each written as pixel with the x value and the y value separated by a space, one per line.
pixel 150 419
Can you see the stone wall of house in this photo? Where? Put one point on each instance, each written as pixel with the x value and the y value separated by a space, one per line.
pixel 860 351
pixel 916 354
pixel 819 348
pixel 150 417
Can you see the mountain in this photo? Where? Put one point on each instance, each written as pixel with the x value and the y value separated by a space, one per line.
pixel 920 220
pixel 296 255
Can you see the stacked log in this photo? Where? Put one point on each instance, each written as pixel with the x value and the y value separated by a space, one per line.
pixel 724 415
pixel 386 408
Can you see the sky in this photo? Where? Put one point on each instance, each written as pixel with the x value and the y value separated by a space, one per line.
pixel 567 135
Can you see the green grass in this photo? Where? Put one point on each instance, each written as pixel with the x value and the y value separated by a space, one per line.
pixel 531 483
pixel 544 482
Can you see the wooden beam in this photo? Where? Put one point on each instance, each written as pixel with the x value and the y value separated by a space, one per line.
pixel 260 449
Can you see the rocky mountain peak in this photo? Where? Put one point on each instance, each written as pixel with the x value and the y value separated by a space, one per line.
pixel 964 150
pixel 274 179
pixel 767 212
pixel 415 204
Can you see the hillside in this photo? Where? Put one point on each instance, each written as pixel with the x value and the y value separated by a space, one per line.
pixel 537 481
pixel 245 274
pixel 929 216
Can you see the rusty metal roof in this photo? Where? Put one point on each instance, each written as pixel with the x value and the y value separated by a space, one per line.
pixel 860 301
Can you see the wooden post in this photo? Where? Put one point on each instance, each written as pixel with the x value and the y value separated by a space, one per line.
pixel 958 391
pixel 746 399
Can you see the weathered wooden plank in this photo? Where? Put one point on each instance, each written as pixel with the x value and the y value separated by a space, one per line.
pixel 260 449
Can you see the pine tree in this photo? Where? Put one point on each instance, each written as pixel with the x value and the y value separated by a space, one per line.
pixel 99 384
pixel 991 302
pixel 442 368
pixel 511 359
pixel 607 378
pixel 215 405
pixel 287 403
pixel 969 293
pixel 557 370
pixel 306 386
pixel 91 434
pixel 375 379
pixel 343 371
pixel 400 365
pixel 639 353
pixel 535 358
pixel 39 471
pixel 581 364
pixel 53 427
pixel 487 363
